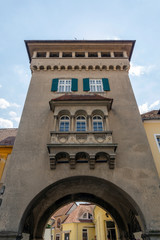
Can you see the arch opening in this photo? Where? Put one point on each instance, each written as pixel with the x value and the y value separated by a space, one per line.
pixel 82 188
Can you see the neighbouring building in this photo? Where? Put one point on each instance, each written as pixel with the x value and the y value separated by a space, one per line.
pixel 80 139
pixel 7 138
pixel 151 122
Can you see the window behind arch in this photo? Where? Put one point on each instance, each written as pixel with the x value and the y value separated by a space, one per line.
pixel 81 124
pixel 64 124
pixel 97 124
pixel 58 223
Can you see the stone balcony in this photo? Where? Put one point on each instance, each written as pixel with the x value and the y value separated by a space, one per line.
pixel 82 147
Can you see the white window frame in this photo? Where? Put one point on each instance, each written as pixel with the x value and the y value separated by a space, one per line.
pixel 157 136
pixel 64 85
pixel 81 120
pixel 58 235
pixel 97 120
pixel 64 120
pixel 95 84
pixel 86 231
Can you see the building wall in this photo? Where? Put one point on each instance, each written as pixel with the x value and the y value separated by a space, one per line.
pixel 100 218
pixel 152 127
pixel 4 152
pixel 76 230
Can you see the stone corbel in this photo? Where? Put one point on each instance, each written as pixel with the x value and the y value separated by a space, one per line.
pixel 112 161
pixel 72 161
pixel 52 161
pixel 92 161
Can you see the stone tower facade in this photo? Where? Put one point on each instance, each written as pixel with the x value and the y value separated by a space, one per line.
pixel 80 139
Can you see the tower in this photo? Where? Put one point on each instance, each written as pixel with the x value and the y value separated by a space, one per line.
pixel 80 139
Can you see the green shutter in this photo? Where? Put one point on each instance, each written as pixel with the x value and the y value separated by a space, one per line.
pixel 106 86
pixel 74 84
pixel 54 87
pixel 86 84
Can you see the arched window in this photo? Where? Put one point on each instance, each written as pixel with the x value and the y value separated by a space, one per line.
pixel 81 124
pixel 97 124
pixel 64 124
pixel 58 223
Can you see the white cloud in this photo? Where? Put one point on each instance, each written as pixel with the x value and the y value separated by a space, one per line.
pixel 0 85
pixel 14 116
pixel 5 104
pixel 5 123
pixel 146 107
pixel 137 70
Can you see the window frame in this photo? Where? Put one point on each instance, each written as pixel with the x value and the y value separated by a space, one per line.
pixel 97 120
pixel 64 120
pixel 58 235
pixel 81 120
pixel 83 232
pixel 96 85
pixel 156 136
pixel 65 85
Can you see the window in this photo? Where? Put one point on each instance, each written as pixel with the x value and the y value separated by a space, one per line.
pixel 41 54
pixel 64 85
pixel 81 124
pixel 58 223
pixel 97 124
pixel 87 215
pixel 84 234
pixel 64 124
pixel 111 232
pixel 67 54
pixel 105 54
pixel 92 54
pixel 96 85
pixel 118 54
pixel 54 54
pixel 80 54
pixel 57 236
pixel 157 138
pixel 66 236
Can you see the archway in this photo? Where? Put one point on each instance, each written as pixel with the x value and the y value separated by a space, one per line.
pixel 105 194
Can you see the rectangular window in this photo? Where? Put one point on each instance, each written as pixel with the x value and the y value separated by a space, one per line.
pixel 157 138
pixel 105 54
pixel 118 54
pixel 57 236
pixel 64 85
pixel 41 54
pixel 66 236
pixel 67 54
pixel 84 234
pixel 93 54
pixel 96 85
pixel 54 54
pixel 80 54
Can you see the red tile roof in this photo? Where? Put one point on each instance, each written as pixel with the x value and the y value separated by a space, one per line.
pixel 63 210
pixel 76 215
pixel 152 115
pixel 7 136
pixel 75 97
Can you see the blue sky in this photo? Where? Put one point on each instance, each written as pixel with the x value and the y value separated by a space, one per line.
pixel 69 19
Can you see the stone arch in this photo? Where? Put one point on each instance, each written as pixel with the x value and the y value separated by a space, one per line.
pixel 118 67
pixel 69 67
pixel 90 67
pixel 104 67
pixel 48 67
pixel 98 112
pixel 55 67
pixel 64 112
pixel 34 67
pixel 98 191
pixel 82 157
pixel 62 157
pixel 111 67
pixel 62 67
pixel 125 67
pixel 81 112
pixel 83 67
pixel 76 67
pixel 97 67
pixel 41 67
pixel 102 157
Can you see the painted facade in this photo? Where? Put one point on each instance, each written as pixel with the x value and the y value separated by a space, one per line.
pixel 151 122
pixel 7 138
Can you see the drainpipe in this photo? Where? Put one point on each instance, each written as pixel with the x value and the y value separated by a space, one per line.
pixel 77 231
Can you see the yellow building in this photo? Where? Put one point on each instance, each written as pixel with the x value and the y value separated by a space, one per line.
pixel 7 138
pixel 105 227
pixel 80 225
pixel 151 122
